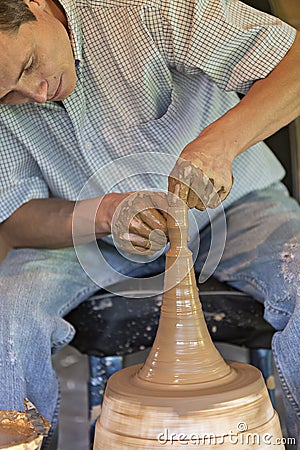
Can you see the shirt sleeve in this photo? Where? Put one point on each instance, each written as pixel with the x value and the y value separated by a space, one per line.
pixel 229 41
pixel 20 177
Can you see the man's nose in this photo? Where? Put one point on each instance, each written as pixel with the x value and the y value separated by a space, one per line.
pixel 36 91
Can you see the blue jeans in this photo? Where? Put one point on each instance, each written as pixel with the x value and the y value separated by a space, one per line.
pixel 38 287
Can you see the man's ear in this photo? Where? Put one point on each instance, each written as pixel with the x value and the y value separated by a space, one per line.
pixel 32 4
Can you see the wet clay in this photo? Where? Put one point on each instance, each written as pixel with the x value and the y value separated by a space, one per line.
pixel 185 390
pixel 17 433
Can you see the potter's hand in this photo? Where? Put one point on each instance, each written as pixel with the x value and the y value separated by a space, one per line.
pixel 202 177
pixel 139 223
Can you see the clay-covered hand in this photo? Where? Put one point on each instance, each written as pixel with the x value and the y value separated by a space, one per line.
pixel 139 223
pixel 201 178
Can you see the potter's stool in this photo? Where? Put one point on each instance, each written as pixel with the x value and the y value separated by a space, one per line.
pixel 109 327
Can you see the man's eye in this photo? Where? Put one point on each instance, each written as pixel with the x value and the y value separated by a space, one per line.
pixel 30 66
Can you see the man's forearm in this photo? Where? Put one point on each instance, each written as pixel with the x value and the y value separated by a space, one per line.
pixel 48 223
pixel 40 223
pixel 53 223
pixel 269 105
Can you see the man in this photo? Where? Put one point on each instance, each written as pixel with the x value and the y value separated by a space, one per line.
pixel 84 85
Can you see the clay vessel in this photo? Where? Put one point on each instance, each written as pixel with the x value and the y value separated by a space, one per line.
pixel 185 394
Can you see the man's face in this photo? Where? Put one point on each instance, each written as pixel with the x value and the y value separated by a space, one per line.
pixel 37 63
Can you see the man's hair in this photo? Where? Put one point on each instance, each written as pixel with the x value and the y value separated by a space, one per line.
pixel 13 13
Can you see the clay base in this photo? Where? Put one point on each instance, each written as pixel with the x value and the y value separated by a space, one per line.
pixel 244 441
pixel 138 415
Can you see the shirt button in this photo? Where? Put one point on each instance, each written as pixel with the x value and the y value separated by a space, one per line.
pixel 88 145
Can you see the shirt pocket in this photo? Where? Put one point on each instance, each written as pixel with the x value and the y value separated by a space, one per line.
pixel 155 134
